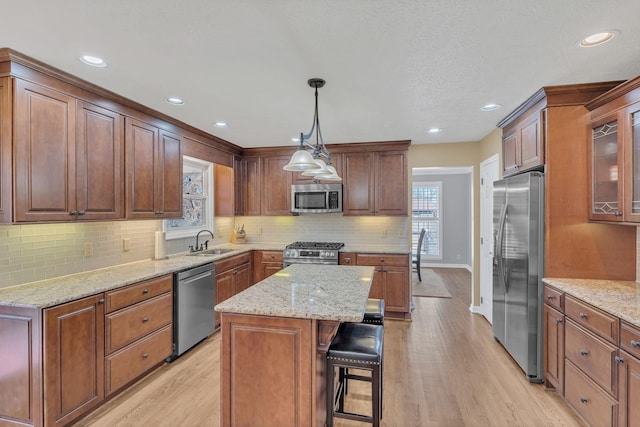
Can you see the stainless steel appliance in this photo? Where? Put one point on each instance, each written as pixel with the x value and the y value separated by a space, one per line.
pixel 193 302
pixel 316 198
pixel 311 253
pixel 518 224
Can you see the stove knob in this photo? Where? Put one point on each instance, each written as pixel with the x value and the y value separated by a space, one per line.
pixel 333 254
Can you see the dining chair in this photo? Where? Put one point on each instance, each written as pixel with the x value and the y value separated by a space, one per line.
pixel 416 256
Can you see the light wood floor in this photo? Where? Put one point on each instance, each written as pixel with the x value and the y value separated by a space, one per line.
pixel 442 369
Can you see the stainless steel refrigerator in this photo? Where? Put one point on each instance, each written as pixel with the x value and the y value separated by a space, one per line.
pixel 518 266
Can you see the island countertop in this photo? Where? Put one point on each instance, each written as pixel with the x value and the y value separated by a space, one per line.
pixel 324 292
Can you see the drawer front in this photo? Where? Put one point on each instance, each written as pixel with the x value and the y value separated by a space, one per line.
pixel 347 258
pixel 383 259
pixel 588 399
pixel 554 298
pixel 132 294
pixel 603 324
pixel 131 362
pixel 594 356
pixel 271 256
pixel 125 326
pixel 229 263
pixel 630 339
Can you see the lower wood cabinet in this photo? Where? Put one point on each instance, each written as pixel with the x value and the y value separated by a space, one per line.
pixel 61 362
pixel 233 275
pixel 266 263
pixel 592 358
pixel 73 359
pixel 391 281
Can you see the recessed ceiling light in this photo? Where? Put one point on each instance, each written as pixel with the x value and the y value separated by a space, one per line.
pixel 598 38
pixel 94 61
pixel 490 107
pixel 175 101
pixel 435 130
pixel 221 124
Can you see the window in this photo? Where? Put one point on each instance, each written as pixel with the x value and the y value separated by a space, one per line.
pixel 197 200
pixel 426 212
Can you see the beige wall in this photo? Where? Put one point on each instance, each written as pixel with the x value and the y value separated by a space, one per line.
pixel 458 155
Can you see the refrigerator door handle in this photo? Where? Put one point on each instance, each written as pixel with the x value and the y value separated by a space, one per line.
pixel 499 249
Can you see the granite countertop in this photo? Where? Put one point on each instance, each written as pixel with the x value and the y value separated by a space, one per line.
pixel 50 292
pixel 620 298
pixel 325 292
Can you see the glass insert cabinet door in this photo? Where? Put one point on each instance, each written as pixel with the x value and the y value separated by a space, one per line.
pixel 635 168
pixel 605 151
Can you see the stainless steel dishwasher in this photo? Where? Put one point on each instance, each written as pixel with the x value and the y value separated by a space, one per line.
pixel 193 302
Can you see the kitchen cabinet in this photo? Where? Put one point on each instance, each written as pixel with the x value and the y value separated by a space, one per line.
pixel 63 361
pixel 391 282
pixel 6 135
pixel 276 186
pixel 68 157
pixel 615 155
pixel 553 323
pixel 347 258
pixel 250 183
pixel 522 142
pixel 154 172
pixel 224 190
pixel 73 359
pixel 375 183
pixel 233 275
pixel 238 187
pixel 265 264
pixel 601 360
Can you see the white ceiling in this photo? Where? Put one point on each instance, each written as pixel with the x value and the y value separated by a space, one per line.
pixel 394 68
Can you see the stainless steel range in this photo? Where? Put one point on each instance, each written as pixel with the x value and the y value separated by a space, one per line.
pixel 312 253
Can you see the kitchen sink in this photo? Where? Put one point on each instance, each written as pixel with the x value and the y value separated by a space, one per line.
pixel 211 252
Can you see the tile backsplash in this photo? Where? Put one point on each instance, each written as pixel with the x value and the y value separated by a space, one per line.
pixel 34 252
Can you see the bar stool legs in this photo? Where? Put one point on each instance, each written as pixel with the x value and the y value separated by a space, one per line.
pixel 355 346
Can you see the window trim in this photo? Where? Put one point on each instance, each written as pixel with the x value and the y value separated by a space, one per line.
pixel 183 232
pixel 439 220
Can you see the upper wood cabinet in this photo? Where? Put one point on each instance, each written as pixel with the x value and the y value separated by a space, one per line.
pixel 250 194
pixel 6 135
pixel 154 172
pixel 276 186
pixel 375 183
pixel 614 153
pixel 224 190
pixel 522 142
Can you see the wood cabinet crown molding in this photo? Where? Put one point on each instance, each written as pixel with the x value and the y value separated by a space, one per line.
pixel 558 96
pixel 16 64
pixel 617 92
pixel 333 148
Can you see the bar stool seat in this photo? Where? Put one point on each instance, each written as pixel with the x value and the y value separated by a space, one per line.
pixel 374 313
pixel 355 346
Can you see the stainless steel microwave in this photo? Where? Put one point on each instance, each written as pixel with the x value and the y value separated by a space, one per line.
pixel 316 198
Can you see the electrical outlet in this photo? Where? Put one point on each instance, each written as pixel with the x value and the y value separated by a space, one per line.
pixel 88 249
pixel 126 244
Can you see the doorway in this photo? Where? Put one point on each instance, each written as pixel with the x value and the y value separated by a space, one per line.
pixel 489 172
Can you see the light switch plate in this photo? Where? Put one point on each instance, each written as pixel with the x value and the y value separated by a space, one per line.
pixel 88 249
pixel 126 244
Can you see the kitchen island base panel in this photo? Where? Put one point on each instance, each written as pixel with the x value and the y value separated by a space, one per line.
pixel 273 370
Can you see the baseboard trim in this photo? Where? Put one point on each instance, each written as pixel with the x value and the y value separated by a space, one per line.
pixel 434 265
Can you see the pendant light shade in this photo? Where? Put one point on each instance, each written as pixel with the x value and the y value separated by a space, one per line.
pixel 301 161
pixel 308 157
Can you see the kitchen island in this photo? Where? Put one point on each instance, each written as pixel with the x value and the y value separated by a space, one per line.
pixel 274 340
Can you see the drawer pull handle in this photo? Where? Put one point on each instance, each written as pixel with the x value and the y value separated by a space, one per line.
pixel 619 359
pixel 145 291
pixel 584 353
pixel 558 320
pixel 584 400
pixel 583 316
pixel 550 297
pixel 635 344
pixel 145 319
pixel 145 355
pixel 101 301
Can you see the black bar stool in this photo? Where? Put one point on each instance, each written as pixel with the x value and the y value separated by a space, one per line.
pixel 355 346
pixel 374 313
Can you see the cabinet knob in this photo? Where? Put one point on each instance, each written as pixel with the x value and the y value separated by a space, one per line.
pixel 584 353
pixel 618 213
pixel 550 297
pixel 82 212
pixel 635 344
pixel 145 355
pixel 584 400
pixel 583 316
pixel 273 256
pixel 347 260
pixel 381 259
pixel 619 359
pixel 145 291
pixel 145 319
pixel 74 213
pixel 101 301
pixel 159 212
pixel 558 320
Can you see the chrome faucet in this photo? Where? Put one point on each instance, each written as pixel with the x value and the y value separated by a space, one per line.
pixel 206 243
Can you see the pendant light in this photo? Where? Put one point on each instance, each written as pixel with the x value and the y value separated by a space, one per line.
pixel 308 158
